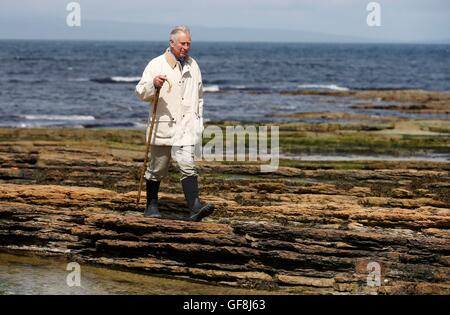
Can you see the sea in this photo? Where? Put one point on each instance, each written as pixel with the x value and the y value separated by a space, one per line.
pixel 90 84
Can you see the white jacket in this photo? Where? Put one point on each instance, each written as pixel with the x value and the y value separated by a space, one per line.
pixel 179 113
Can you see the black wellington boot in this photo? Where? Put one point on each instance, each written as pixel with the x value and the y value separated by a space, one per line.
pixel 198 211
pixel 151 209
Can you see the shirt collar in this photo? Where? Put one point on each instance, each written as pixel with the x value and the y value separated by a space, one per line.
pixel 172 60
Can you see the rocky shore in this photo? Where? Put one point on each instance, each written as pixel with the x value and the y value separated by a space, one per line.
pixel 312 227
pixel 408 101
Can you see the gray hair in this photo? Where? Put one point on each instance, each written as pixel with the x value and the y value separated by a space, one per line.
pixel 179 29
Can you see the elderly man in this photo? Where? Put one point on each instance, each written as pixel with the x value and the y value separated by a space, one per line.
pixel 179 120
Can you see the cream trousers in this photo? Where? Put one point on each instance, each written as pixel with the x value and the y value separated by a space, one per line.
pixel 159 161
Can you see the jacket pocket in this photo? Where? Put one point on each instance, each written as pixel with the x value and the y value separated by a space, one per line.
pixel 164 128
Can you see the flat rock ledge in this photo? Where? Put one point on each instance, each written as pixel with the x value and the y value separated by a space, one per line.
pixel 102 227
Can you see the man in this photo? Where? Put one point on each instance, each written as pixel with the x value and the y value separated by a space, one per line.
pixel 179 121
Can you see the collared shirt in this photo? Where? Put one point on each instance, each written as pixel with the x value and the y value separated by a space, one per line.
pixel 182 61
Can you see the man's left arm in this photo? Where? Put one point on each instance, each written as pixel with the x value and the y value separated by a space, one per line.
pixel 200 99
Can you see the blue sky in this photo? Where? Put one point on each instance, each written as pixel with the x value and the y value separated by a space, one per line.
pixel 401 20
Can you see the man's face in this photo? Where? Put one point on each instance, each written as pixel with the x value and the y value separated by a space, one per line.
pixel 181 46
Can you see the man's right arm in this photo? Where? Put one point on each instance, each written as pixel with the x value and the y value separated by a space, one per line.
pixel 145 89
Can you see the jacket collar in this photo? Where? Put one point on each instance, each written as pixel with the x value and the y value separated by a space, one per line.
pixel 170 58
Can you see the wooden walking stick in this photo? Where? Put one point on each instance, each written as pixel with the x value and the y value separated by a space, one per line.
pixel 147 146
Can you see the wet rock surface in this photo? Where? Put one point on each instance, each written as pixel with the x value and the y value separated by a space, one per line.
pixel 308 228
pixel 408 101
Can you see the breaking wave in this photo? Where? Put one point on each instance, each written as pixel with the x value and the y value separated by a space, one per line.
pixel 333 87
pixel 59 117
